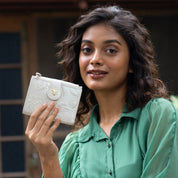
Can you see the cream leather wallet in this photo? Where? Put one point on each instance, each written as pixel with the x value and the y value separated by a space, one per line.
pixel 42 90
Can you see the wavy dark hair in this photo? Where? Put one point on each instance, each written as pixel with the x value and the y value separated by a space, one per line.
pixel 143 84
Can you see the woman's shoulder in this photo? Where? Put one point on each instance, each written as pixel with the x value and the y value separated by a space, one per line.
pixel 159 104
pixel 160 108
pixel 158 118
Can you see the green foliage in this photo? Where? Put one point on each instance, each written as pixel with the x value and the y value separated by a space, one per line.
pixel 174 100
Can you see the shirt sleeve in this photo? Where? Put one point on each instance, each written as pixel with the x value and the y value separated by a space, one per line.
pixel 161 157
pixel 69 156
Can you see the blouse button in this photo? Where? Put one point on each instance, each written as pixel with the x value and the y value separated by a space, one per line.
pixel 109 145
pixel 110 173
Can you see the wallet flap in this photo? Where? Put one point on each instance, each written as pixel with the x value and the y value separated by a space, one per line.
pixel 54 91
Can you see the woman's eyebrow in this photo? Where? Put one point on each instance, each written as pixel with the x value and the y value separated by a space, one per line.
pixel 112 41
pixel 87 41
pixel 105 42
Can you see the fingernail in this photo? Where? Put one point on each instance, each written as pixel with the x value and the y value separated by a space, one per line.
pixel 52 104
pixel 56 109
pixel 58 120
pixel 44 105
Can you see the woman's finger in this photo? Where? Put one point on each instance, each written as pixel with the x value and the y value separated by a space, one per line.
pixel 53 128
pixel 34 116
pixel 47 123
pixel 44 115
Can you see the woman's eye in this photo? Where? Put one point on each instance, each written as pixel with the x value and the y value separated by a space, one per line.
pixel 86 50
pixel 111 51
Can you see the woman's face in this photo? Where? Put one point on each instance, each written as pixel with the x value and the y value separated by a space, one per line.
pixel 103 59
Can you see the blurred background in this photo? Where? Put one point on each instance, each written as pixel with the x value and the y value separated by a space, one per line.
pixel 29 33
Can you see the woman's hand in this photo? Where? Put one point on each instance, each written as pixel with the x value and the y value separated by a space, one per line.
pixel 40 130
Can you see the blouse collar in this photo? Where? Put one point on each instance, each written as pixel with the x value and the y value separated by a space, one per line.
pixel 93 130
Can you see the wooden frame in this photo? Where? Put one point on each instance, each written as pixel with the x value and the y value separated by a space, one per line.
pixel 27 66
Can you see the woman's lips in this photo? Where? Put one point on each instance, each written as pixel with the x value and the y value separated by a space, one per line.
pixel 97 74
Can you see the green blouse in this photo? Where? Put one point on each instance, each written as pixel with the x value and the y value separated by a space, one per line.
pixel 142 144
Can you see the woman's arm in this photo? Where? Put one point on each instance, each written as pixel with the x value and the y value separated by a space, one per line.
pixel 51 168
pixel 161 157
pixel 40 131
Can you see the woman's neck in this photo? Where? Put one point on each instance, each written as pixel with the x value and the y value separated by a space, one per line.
pixel 110 109
pixel 111 105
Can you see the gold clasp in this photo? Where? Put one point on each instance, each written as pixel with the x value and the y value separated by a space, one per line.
pixel 54 92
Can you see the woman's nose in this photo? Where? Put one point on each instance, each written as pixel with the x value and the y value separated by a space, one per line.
pixel 97 58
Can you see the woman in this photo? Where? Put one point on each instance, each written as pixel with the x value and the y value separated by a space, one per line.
pixel 132 130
